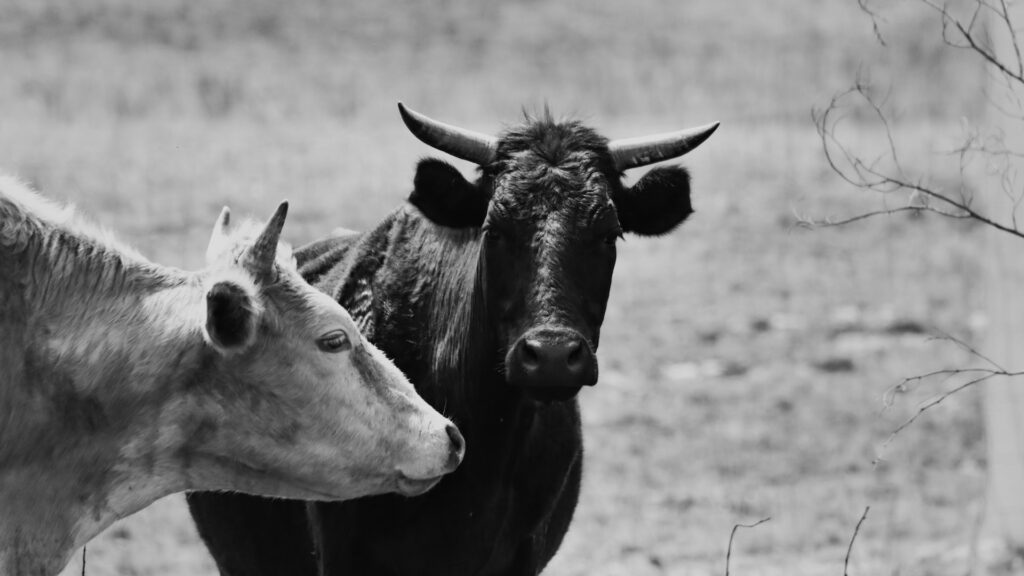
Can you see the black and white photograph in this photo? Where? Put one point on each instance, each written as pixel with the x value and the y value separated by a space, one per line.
pixel 476 288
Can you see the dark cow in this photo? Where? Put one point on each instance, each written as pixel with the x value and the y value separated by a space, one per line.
pixel 490 296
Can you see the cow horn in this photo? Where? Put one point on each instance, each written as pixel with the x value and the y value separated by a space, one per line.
pixel 218 239
pixel 264 250
pixel 465 144
pixel 635 152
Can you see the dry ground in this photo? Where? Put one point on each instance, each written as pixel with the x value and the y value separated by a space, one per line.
pixel 744 358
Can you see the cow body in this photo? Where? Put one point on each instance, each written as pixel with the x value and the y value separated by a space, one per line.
pixel 490 297
pixel 504 510
pixel 122 381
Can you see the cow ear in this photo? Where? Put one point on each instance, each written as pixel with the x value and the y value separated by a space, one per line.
pixel 445 197
pixel 232 314
pixel 657 203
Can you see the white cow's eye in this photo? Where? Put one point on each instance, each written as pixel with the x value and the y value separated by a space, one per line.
pixel 336 341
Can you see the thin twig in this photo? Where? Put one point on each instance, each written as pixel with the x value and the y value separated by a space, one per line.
pixel 849 549
pixel 940 398
pixel 867 176
pixel 888 398
pixel 83 560
pixel 875 19
pixel 1005 14
pixel 967 34
pixel 987 374
pixel 828 222
pixel 970 349
pixel 978 375
pixel 728 552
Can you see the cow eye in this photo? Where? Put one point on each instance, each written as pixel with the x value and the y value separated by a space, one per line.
pixel 612 237
pixel 336 341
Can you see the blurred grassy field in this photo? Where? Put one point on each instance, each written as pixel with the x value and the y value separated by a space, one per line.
pixel 744 358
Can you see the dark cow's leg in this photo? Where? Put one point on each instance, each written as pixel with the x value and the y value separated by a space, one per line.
pixel 251 536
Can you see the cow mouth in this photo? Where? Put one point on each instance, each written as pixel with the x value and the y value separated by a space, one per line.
pixel 551 394
pixel 416 486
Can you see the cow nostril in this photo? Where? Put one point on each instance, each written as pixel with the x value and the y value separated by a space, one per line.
pixel 575 356
pixel 531 352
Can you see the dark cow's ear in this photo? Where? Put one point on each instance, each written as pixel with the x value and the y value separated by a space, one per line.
pixel 445 197
pixel 657 203
pixel 232 314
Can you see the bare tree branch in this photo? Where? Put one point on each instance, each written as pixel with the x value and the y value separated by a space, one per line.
pixel 983 375
pixel 977 375
pixel 849 549
pixel 985 53
pixel 968 348
pixel 886 174
pixel 973 29
pixel 728 552
pixel 1004 14
pixel 973 43
pixel 871 176
pixel 875 19
pixel 829 222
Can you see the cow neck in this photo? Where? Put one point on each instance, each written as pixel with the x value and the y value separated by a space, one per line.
pixel 442 272
pixel 91 404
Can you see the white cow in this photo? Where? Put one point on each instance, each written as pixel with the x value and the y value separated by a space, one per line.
pixel 122 381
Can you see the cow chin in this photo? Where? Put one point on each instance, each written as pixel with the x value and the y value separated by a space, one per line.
pixel 551 394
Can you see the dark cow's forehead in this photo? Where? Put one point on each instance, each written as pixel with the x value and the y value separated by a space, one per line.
pixel 546 166
pixel 522 197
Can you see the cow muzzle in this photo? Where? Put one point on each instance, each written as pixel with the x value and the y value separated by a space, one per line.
pixel 551 364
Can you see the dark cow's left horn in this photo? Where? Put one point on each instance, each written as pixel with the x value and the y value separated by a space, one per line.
pixel 264 250
pixel 465 144
pixel 635 152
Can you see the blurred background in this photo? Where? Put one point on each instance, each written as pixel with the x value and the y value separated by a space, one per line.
pixel 744 358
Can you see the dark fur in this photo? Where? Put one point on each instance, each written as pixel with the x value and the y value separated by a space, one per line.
pixel 657 203
pixel 446 303
pixel 461 206
pixel 230 320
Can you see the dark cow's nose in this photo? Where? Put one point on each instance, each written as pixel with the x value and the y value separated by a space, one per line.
pixel 568 353
pixel 458 446
pixel 552 358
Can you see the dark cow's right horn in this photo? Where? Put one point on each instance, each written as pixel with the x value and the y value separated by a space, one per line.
pixel 465 144
pixel 635 152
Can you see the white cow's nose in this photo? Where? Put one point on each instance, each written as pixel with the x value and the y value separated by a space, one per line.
pixel 457 449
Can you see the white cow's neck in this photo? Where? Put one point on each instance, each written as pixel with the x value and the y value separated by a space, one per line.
pixel 105 370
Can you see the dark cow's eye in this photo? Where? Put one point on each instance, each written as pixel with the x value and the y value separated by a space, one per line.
pixel 336 341
pixel 612 237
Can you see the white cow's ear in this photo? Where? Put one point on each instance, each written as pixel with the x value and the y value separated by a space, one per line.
pixel 232 314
